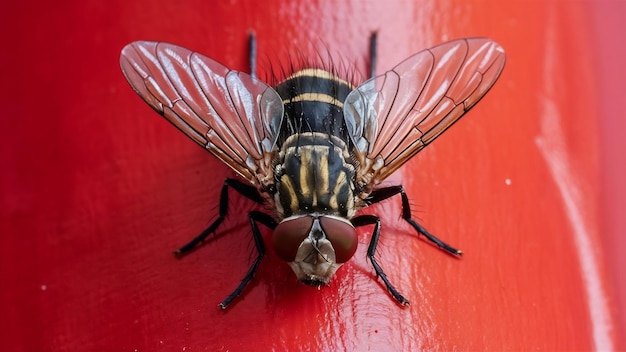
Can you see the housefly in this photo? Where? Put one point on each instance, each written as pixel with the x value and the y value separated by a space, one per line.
pixel 314 148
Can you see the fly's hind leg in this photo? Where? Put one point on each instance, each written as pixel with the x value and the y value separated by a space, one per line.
pixel 373 53
pixel 252 53
pixel 247 191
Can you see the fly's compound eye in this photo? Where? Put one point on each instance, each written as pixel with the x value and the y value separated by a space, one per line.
pixel 343 237
pixel 288 236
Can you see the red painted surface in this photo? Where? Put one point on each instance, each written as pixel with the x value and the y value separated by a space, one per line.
pixel 96 189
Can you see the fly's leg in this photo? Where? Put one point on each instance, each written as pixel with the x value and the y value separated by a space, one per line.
pixel 247 191
pixel 254 217
pixel 373 56
pixel 381 194
pixel 371 250
pixel 363 220
pixel 252 53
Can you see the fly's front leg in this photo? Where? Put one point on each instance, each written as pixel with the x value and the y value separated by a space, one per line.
pixel 381 194
pixel 246 190
pixel 371 250
pixel 254 217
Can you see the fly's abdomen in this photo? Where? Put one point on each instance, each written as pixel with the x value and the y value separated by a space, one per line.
pixel 315 176
pixel 313 101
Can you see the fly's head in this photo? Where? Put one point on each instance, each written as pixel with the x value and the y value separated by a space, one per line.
pixel 315 246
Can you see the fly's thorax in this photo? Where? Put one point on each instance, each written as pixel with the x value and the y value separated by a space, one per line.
pixel 315 245
pixel 314 174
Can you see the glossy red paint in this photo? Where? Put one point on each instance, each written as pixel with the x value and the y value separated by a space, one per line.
pixel 96 189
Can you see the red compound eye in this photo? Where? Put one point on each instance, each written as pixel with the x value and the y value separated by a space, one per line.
pixel 343 237
pixel 288 236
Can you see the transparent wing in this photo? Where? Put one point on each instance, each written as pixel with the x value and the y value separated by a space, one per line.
pixel 393 116
pixel 233 115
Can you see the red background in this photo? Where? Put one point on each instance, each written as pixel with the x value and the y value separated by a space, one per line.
pixel 96 189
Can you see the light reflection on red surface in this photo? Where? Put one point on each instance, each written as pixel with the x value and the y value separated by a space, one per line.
pixel 98 190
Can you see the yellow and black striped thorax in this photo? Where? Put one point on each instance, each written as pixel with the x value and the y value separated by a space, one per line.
pixel 314 171
pixel 314 175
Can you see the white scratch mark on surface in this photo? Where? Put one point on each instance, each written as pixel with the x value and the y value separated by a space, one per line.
pixel 552 147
